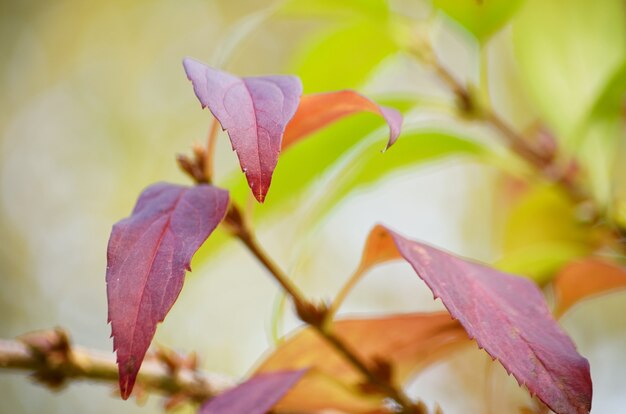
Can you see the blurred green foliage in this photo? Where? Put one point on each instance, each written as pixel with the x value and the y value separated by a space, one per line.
pixel 482 18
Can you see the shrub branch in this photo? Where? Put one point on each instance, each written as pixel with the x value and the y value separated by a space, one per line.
pixel 53 361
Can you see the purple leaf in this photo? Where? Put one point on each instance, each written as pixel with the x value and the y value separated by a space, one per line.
pixel 147 256
pixel 508 317
pixel 256 396
pixel 254 111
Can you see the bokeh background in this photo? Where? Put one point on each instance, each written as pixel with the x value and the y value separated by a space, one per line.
pixel 94 105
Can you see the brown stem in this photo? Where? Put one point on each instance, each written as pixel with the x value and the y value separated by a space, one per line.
pixel 250 241
pixel 315 315
pixel 544 162
pixel 53 361
pixel 514 140
pixel 383 384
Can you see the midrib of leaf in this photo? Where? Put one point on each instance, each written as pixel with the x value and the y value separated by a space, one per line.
pixel 152 259
pixel 258 148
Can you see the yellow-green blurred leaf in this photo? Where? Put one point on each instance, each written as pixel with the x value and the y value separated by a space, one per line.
pixel 542 233
pixel 568 50
pixel 544 214
pixel 541 261
pixel 481 18
pixel 344 57
pixel 599 138
pixel 367 164
pixel 355 8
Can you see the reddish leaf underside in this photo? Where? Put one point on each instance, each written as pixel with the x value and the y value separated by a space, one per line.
pixel 318 110
pixel 256 396
pixel 508 317
pixel 147 256
pixel 253 111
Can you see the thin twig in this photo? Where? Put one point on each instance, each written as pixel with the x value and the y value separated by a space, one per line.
pixel 250 241
pixel 544 162
pixel 209 163
pixel 52 361
pixel 315 316
pixel 383 384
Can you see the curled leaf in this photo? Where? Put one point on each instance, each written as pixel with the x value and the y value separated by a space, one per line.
pixel 254 111
pixel 258 395
pixel 318 110
pixel 147 256
pixel 585 279
pixel 508 317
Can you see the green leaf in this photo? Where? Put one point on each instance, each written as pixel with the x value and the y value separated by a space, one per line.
pixel 568 50
pixel 542 233
pixel 481 18
pixel 599 139
pixel 597 154
pixel 368 165
pixel 350 8
pixel 544 214
pixel 345 57
pixel 540 261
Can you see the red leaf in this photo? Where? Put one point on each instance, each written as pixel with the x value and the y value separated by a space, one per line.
pixel 508 317
pixel 318 110
pixel 147 256
pixel 256 396
pixel 254 112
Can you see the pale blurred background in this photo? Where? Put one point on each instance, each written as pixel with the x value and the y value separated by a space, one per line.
pixel 94 105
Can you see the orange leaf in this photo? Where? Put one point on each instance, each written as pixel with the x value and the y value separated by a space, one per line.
pixel 318 391
pixel 318 110
pixel 379 248
pixel 584 279
pixel 408 342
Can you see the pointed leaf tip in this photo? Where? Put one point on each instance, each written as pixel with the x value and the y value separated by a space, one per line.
pixel 508 317
pixel 318 110
pixel 147 255
pixel 253 111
